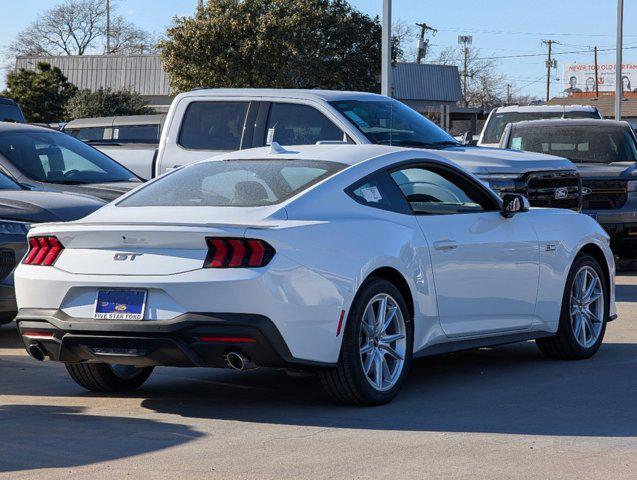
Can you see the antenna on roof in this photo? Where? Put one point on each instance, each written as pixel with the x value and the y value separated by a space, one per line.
pixel 276 148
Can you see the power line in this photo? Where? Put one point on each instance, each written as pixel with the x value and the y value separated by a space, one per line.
pixel 509 32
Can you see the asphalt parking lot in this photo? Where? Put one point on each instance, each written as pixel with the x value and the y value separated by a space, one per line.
pixel 498 413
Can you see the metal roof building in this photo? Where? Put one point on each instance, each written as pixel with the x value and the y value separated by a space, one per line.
pixel 425 85
pixel 141 73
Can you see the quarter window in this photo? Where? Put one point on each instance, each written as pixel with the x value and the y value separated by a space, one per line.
pixel 437 190
pixel 213 125
pixel 293 124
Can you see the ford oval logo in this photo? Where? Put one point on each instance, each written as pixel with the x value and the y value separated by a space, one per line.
pixel 586 191
pixel 561 193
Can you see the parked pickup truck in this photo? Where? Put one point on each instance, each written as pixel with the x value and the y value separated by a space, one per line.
pixel 203 123
pixel 500 117
pixel 605 153
pixel 131 140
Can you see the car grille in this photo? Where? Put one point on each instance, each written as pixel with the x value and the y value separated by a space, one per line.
pixel 605 194
pixel 7 263
pixel 554 190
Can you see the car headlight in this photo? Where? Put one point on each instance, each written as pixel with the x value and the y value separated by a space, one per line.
pixel 502 182
pixel 632 186
pixel 14 228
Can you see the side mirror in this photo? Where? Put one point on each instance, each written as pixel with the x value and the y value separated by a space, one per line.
pixel 513 203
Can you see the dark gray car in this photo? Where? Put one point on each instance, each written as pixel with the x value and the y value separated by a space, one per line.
pixel 41 158
pixel 19 208
pixel 605 153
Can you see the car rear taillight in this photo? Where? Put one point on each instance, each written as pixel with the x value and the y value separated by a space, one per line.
pixel 224 252
pixel 43 251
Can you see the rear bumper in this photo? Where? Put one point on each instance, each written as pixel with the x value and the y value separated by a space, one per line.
pixel 189 340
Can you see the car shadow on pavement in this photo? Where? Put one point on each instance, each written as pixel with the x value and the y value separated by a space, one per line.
pixel 59 436
pixel 509 389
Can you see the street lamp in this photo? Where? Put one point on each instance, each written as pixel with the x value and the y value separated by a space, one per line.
pixel 618 62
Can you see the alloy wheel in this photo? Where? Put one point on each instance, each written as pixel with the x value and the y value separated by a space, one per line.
pixel 382 342
pixel 587 306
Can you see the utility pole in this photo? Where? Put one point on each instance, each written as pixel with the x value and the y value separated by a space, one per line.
pixel 108 27
pixel 423 44
pixel 619 85
pixel 508 94
pixel 385 76
pixel 550 63
pixel 465 40
pixel 596 79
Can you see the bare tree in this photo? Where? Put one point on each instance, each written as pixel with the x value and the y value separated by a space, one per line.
pixel 77 27
pixel 404 35
pixel 485 86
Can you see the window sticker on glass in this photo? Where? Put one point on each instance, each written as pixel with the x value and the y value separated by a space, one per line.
pixel 516 143
pixel 270 136
pixel 371 194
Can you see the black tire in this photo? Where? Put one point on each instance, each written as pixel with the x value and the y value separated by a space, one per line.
pixel 100 377
pixel 564 345
pixel 347 383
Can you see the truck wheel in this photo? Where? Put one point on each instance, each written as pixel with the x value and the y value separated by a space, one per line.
pixel 377 348
pixel 102 377
pixel 584 312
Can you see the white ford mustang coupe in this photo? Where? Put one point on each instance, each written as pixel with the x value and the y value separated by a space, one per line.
pixel 341 259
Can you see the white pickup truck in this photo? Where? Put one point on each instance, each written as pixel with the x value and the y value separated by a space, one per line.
pixel 206 122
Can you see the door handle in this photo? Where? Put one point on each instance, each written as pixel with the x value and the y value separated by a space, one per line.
pixel 445 245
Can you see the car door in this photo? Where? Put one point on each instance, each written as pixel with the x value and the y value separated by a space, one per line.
pixel 485 266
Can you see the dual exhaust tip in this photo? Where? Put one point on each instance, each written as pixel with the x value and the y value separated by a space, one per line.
pixel 235 360
pixel 239 361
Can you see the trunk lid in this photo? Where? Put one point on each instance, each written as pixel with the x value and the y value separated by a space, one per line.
pixel 162 241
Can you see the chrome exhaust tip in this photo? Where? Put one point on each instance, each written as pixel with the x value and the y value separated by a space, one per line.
pixel 239 361
pixel 36 351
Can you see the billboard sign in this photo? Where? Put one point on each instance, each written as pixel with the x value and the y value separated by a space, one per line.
pixel 580 77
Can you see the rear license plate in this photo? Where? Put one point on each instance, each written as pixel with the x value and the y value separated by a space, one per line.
pixel 120 304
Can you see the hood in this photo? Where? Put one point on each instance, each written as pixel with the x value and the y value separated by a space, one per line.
pixel 105 191
pixel 617 170
pixel 484 160
pixel 38 206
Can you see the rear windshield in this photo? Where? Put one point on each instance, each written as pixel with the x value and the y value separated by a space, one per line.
pixel 233 183
pixel 578 143
pixel 497 121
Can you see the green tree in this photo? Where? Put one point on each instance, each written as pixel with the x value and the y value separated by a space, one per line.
pixel 42 93
pixel 106 102
pixel 274 43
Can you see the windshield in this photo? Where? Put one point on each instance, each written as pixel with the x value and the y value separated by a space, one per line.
pixel 578 143
pixel 232 183
pixel 497 121
pixel 10 113
pixel 393 123
pixel 55 157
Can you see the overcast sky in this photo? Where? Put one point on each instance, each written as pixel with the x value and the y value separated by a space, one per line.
pixel 499 28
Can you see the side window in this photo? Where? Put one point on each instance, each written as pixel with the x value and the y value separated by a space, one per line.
pixel 88 134
pixel 293 124
pixel 378 191
pixel 213 125
pixel 136 134
pixel 438 190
